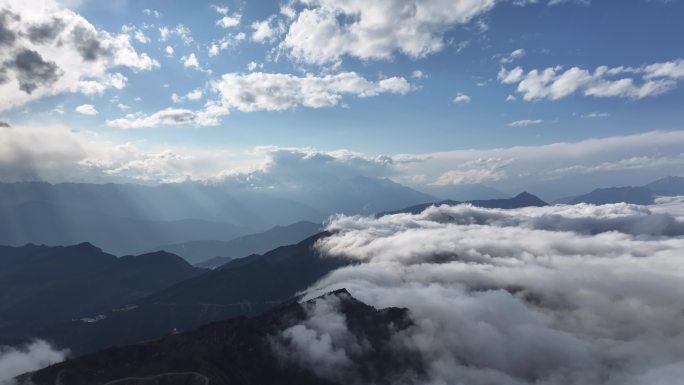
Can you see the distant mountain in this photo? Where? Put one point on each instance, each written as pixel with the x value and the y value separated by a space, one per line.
pixel 523 199
pixel 245 286
pixel 240 351
pixel 42 286
pixel 641 195
pixel 128 218
pixel 211 254
pixel 669 186
pixel 602 196
pixel 46 223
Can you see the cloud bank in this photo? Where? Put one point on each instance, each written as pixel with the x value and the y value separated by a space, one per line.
pixel 555 83
pixel 556 295
pixel 34 356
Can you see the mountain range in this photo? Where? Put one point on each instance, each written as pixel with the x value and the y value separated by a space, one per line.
pixel 130 219
pixel 41 286
pixel 246 351
pixel 213 253
pixel 641 195
pixel 523 199
pixel 245 286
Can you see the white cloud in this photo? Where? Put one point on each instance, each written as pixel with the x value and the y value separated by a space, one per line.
pixel 226 42
pixel 474 171
pixel 34 356
pixel 530 296
pixel 191 61
pixel 86 109
pixel 258 91
pixel 555 83
pixel 229 21
pixel 169 51
pixel 513 56
pixel 251 66
pixel 193 95
pixel 136 33
pixel 461 98
pixel 52 50
pixel 272 92
pixel 117 80
pixel 320 343
pixel 266 30
pixel 221 9
pixel 525 122
pixel 326 30
pixel 152 12
pixel 180 30
pixel 165 117
pixel 418 74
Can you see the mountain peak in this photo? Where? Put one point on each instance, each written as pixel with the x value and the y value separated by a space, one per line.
pixel 85 247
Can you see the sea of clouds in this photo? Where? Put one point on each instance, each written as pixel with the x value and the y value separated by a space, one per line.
pixel 558 295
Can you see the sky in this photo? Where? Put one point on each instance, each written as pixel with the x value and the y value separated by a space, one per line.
pixel 554 96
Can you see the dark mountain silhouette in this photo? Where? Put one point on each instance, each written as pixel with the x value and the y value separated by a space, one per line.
pixel 211 254
pixel 240 351
pixel 669 186
pixel 46 223
pixel 42 286
pixel 245 286
pixel 523 199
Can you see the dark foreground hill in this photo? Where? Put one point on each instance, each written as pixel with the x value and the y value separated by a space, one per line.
pixel 211 254
pixel 245 286
pixel 249 351
pixel 42 286
pixel 523 199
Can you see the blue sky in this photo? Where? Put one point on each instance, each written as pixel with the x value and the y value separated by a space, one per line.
pixel 382 78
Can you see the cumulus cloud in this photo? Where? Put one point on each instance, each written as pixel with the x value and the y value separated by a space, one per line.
pixel 193 95
pixel 229 21
pixel 49 50
pixel 461 98
pixel 273 92
pixel 557 83
pixel 34 356
pixel 553 295
pixel 86 109
pixel 325 30
pixel 258 91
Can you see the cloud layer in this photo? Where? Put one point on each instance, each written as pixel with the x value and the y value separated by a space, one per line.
pixel 555 295
pixel 34 356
